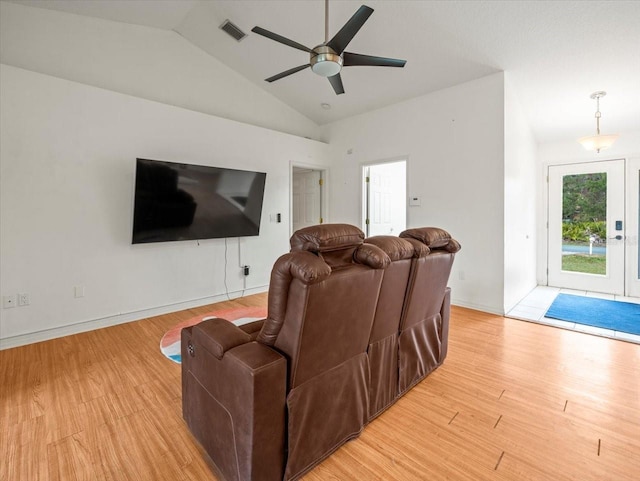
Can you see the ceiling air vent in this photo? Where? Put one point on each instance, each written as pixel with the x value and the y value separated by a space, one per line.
pixel 233 30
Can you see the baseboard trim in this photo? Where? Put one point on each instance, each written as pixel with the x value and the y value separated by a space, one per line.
pixel 477 307
pixel 122 318
pixel 114 320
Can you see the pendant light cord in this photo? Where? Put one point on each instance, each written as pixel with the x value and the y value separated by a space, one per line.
pixel 598 115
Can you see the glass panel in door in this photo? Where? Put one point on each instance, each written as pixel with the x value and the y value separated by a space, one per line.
pixel 584 223
pixel 586 226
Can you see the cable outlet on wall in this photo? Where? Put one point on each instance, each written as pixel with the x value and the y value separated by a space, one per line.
pixel 8 301
pixel 23 299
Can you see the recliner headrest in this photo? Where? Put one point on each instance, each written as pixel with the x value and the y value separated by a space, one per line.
pixel 433 238
pixel 393 246
pixel 326 238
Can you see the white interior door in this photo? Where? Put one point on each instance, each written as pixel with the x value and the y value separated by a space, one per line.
pixel 385 198
pixel 633 228
pixel 586 226
pixel 306 198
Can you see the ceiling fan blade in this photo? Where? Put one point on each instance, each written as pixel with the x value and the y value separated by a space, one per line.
pixel 341 39
pixel 353 59
pixel 336 83
pixel 286 73
pixel 280 38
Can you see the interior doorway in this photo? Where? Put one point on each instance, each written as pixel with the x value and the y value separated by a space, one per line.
pixel 593 226
pixel 384 205
pixel 307 186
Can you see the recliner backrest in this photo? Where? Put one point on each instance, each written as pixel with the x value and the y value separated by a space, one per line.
pixel 322 301
pixel 421 328
pixel 322 298
pixel 383 341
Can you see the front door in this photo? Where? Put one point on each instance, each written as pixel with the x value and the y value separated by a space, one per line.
pixel 587 226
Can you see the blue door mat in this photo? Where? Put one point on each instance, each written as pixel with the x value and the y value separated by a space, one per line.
pixel 591 311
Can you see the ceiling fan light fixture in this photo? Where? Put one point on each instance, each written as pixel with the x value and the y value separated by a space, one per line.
pixel 325 61
pixel 598 142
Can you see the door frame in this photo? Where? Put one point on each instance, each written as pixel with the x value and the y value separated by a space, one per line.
pixel 363 193
pixel 324 197
pixel 632 238
pixel 625 216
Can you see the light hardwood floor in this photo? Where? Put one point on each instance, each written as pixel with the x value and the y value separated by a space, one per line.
pixel 513 401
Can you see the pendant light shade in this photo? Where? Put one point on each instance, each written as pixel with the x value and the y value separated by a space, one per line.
pixel 598 142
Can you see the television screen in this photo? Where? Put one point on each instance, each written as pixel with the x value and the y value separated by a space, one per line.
pixel 175 201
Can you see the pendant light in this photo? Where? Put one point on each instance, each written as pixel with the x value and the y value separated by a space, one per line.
pixel 598 142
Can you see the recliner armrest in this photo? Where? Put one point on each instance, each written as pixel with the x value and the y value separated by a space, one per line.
pixel 219 335
pixel 235 406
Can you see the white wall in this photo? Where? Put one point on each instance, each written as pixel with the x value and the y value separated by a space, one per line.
pixel 565 152
pixel 520 168
pixel 141 61
pixel 67 159
pixel 453 140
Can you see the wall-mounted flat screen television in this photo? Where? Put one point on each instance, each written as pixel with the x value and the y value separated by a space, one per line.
pixel 174 201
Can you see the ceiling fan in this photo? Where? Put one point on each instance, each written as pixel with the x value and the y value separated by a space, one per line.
pixel 328 58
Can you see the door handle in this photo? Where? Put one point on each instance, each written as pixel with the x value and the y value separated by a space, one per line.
pixel 618 237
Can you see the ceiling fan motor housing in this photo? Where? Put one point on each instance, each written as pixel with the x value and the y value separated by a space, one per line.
pixel 325 61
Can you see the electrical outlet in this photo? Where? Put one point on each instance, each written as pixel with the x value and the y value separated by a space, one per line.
pixel 23 299
pixel 8 301
pixel 78 291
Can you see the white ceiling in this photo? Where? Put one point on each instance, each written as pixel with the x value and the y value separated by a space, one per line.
pixel 555 53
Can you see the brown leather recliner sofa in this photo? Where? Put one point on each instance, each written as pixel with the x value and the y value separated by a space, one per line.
pixel 351 326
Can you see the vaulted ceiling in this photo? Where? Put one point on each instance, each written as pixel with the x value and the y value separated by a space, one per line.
pixel 555 54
